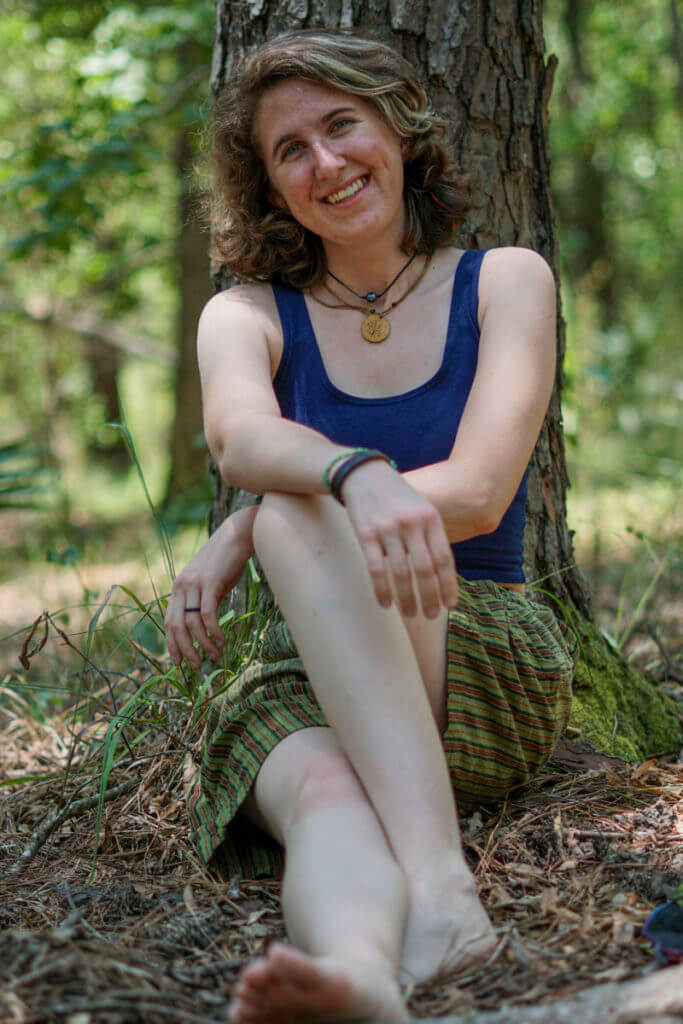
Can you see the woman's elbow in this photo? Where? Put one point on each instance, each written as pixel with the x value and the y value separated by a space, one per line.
pixel 227 450
pixel 487 520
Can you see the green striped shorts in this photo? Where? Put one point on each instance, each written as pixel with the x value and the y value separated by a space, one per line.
pixel 509 670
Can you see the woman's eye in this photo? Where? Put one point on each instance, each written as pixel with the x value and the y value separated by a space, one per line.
pixel 342 122
pixel 291 150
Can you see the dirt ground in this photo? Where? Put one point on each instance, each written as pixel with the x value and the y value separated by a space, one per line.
pixel 569 870
pixel 123 924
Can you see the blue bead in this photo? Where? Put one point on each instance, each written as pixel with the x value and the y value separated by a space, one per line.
pixel 370 297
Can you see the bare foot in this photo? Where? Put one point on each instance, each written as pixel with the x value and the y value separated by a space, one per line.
pixel 287 986
pixel 446 936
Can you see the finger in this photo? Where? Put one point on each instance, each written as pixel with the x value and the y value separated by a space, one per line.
pixel 178 638
pixel 424 570
pixel 194 622
pixel 173 650
pixel 199 634
pixel 210 602
pixel 444 564
pixel 400 573
pixel 374 557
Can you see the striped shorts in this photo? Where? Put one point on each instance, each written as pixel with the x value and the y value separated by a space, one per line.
pixel 509 671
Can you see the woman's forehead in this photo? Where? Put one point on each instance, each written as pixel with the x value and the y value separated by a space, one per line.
pixel 297 103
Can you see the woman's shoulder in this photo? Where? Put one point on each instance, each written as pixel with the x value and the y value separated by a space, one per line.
pixel 241 305
pixel 512 260
pixel 240 300
pixel 514 282
pixel 243 310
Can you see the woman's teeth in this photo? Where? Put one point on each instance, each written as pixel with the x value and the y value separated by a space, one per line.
pixel 350 190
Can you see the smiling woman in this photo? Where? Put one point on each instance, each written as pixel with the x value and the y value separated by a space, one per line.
pixel 254 241
pixel 337 176
pixel 389 685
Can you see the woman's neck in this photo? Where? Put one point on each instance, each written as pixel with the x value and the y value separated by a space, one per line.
pixel 369 270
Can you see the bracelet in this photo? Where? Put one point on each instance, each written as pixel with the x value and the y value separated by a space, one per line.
pixel 353 462
pixel 338 458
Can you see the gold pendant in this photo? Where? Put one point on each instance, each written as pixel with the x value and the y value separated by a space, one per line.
pixel 375 328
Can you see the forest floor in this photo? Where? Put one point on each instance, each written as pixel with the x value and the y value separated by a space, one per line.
pixel 119 921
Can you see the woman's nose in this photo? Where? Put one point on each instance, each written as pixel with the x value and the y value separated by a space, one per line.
pixel 326 160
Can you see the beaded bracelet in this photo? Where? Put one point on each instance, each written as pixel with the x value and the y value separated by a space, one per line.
pixel 338 458
pixel 353 462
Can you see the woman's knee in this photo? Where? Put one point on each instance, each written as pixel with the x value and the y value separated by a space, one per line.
pixel 308 774
pixel 278 512
pixel 283 519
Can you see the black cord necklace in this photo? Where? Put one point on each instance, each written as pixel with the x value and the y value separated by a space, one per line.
pixel 375 327
pixel 373 296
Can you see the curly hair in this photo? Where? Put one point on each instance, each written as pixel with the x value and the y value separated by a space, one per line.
pixel 257 241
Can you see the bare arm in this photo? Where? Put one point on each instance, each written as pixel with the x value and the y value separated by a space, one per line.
pixel 504 412
pixel 254 447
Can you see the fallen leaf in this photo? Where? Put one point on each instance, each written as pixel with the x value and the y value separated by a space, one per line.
pixel 524 870
pixel 189 900
pixel 643 769
pixel 548 901
pixel 498 894
pixel 623 930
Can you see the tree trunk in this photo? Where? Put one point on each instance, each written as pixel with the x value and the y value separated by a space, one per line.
pixel 484 68
pixel 188 451
pixel 104 362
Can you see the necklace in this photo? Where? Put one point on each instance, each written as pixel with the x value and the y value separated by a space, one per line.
pixel 375 327
pixel 373 296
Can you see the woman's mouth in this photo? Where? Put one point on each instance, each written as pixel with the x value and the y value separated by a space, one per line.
pixel 352 189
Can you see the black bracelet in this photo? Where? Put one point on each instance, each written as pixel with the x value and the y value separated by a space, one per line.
pixel 340 474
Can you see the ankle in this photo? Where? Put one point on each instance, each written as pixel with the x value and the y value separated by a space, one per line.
pixel 365 962
pixel 443 885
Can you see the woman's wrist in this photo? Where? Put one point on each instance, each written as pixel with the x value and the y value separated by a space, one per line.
pixel 363 474
pixel 239 526
pixel 347 463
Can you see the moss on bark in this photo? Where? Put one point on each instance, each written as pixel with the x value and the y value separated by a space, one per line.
pixel 617 710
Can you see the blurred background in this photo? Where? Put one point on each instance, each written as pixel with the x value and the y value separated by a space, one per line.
pixel 105 269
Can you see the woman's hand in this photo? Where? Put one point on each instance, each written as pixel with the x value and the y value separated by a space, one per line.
pixel 403 538
pixel 198 590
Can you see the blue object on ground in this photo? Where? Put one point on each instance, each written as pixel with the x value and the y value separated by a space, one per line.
pixel 664 929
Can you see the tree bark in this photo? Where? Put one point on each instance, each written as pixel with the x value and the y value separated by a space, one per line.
pixel 484 68
pixel 188 451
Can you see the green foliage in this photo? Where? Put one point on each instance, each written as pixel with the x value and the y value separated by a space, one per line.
pixel 616 140
pixel 22 475
pixel 91 108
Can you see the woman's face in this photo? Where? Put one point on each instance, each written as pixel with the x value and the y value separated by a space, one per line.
pixel 333 162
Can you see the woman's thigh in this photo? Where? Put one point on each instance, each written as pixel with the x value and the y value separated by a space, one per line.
pixel 429 640
pixel 300 517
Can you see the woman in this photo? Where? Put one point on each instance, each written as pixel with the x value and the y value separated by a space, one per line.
pixel 395 682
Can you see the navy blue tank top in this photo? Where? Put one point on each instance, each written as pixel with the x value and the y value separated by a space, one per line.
pixel 416 428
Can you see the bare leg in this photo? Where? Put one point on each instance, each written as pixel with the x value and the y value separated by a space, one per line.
pixel 365 673
pixel 344 897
